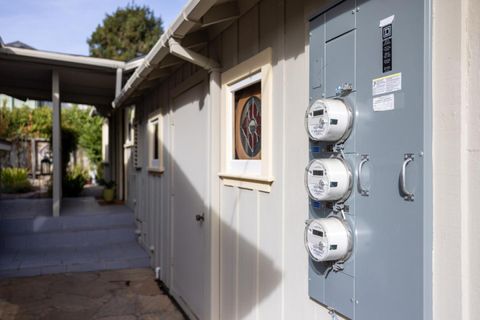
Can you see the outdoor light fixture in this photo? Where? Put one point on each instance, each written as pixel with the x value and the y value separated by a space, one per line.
pixel 45 166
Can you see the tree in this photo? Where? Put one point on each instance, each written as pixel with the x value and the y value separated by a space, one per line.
pixel 79 126
pixel 126 34
pixel 91 139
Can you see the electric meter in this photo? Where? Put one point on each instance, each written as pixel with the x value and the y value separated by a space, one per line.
pixel 328 179
pixel 328 120
pixel 328 239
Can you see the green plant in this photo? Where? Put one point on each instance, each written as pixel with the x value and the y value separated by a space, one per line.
pixel 110 184
pixel 90 139
pixel 100 173
pixel 79 128
pixel 74 181
pixel 14 180
pixel 109 190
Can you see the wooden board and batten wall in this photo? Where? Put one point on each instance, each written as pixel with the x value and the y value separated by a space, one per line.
pixel 262 270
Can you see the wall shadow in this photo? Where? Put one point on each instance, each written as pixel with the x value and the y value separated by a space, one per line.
pixel 192 199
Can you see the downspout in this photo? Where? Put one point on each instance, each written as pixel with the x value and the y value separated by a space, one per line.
pixel 214 211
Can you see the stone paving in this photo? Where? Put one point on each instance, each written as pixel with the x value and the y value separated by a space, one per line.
pixel 130 294
pixel 86 237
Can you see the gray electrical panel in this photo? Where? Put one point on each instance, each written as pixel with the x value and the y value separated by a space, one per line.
pixel 370 55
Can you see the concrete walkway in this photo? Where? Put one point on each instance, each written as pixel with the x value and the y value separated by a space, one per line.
pixel 86 237
pixel 107 295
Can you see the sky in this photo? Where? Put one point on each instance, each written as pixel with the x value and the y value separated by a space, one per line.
pixel 64 25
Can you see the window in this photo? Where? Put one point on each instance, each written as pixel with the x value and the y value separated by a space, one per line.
pixel 246 124
pixel 155 153
pixel 129 126
pixel 105 138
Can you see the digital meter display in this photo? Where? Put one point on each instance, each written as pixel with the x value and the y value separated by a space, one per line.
pixel 317 172
pixel 317 233
pixel 318 113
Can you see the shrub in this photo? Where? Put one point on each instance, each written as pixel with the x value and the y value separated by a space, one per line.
pixel 14 180
pixel 74 181
pixel 110 184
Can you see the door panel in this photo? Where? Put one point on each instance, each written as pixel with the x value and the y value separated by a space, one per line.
pixel 189 197
pixel 340 63
pixel 389 228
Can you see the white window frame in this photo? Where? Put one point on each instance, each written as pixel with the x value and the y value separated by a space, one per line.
pixel 255 174
pixel 155 165
pixel 240 166
pixel 129 124
pixel 105 141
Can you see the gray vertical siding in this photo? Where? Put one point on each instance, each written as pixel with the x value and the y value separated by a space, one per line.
pixel 263 265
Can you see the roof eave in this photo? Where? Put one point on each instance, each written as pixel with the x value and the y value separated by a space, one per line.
pixel 61 57
pixel 185 21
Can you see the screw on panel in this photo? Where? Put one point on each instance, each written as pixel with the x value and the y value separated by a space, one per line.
pixel 358 9
pixel 332 312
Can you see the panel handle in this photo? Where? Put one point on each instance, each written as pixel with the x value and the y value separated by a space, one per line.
pixel 407 195
pixel 363 190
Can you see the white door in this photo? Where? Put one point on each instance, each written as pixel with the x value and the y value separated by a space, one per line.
pixel 190 167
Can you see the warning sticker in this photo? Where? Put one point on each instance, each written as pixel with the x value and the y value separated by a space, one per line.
pixel 387 84
pixel 384 103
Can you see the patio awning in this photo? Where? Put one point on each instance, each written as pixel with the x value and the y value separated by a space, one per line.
pixel 27 73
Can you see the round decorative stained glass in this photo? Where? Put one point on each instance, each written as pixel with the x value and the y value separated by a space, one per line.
pixel 251 127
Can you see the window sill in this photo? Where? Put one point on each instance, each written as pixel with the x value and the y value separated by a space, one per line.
pixel 260 183
pixel 155 170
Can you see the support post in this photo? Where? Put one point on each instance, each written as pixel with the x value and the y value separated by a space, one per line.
pixel 56 144
pixel 118 83
pixel 33 158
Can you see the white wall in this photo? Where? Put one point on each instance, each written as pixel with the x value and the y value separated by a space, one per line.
pixel 263 265
pixel 456 159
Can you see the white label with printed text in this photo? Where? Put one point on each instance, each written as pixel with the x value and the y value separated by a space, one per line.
pixel 387 84
pixel 384 103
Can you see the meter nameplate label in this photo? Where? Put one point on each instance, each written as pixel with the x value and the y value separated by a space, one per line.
pixel 387 84
pixel 384 103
